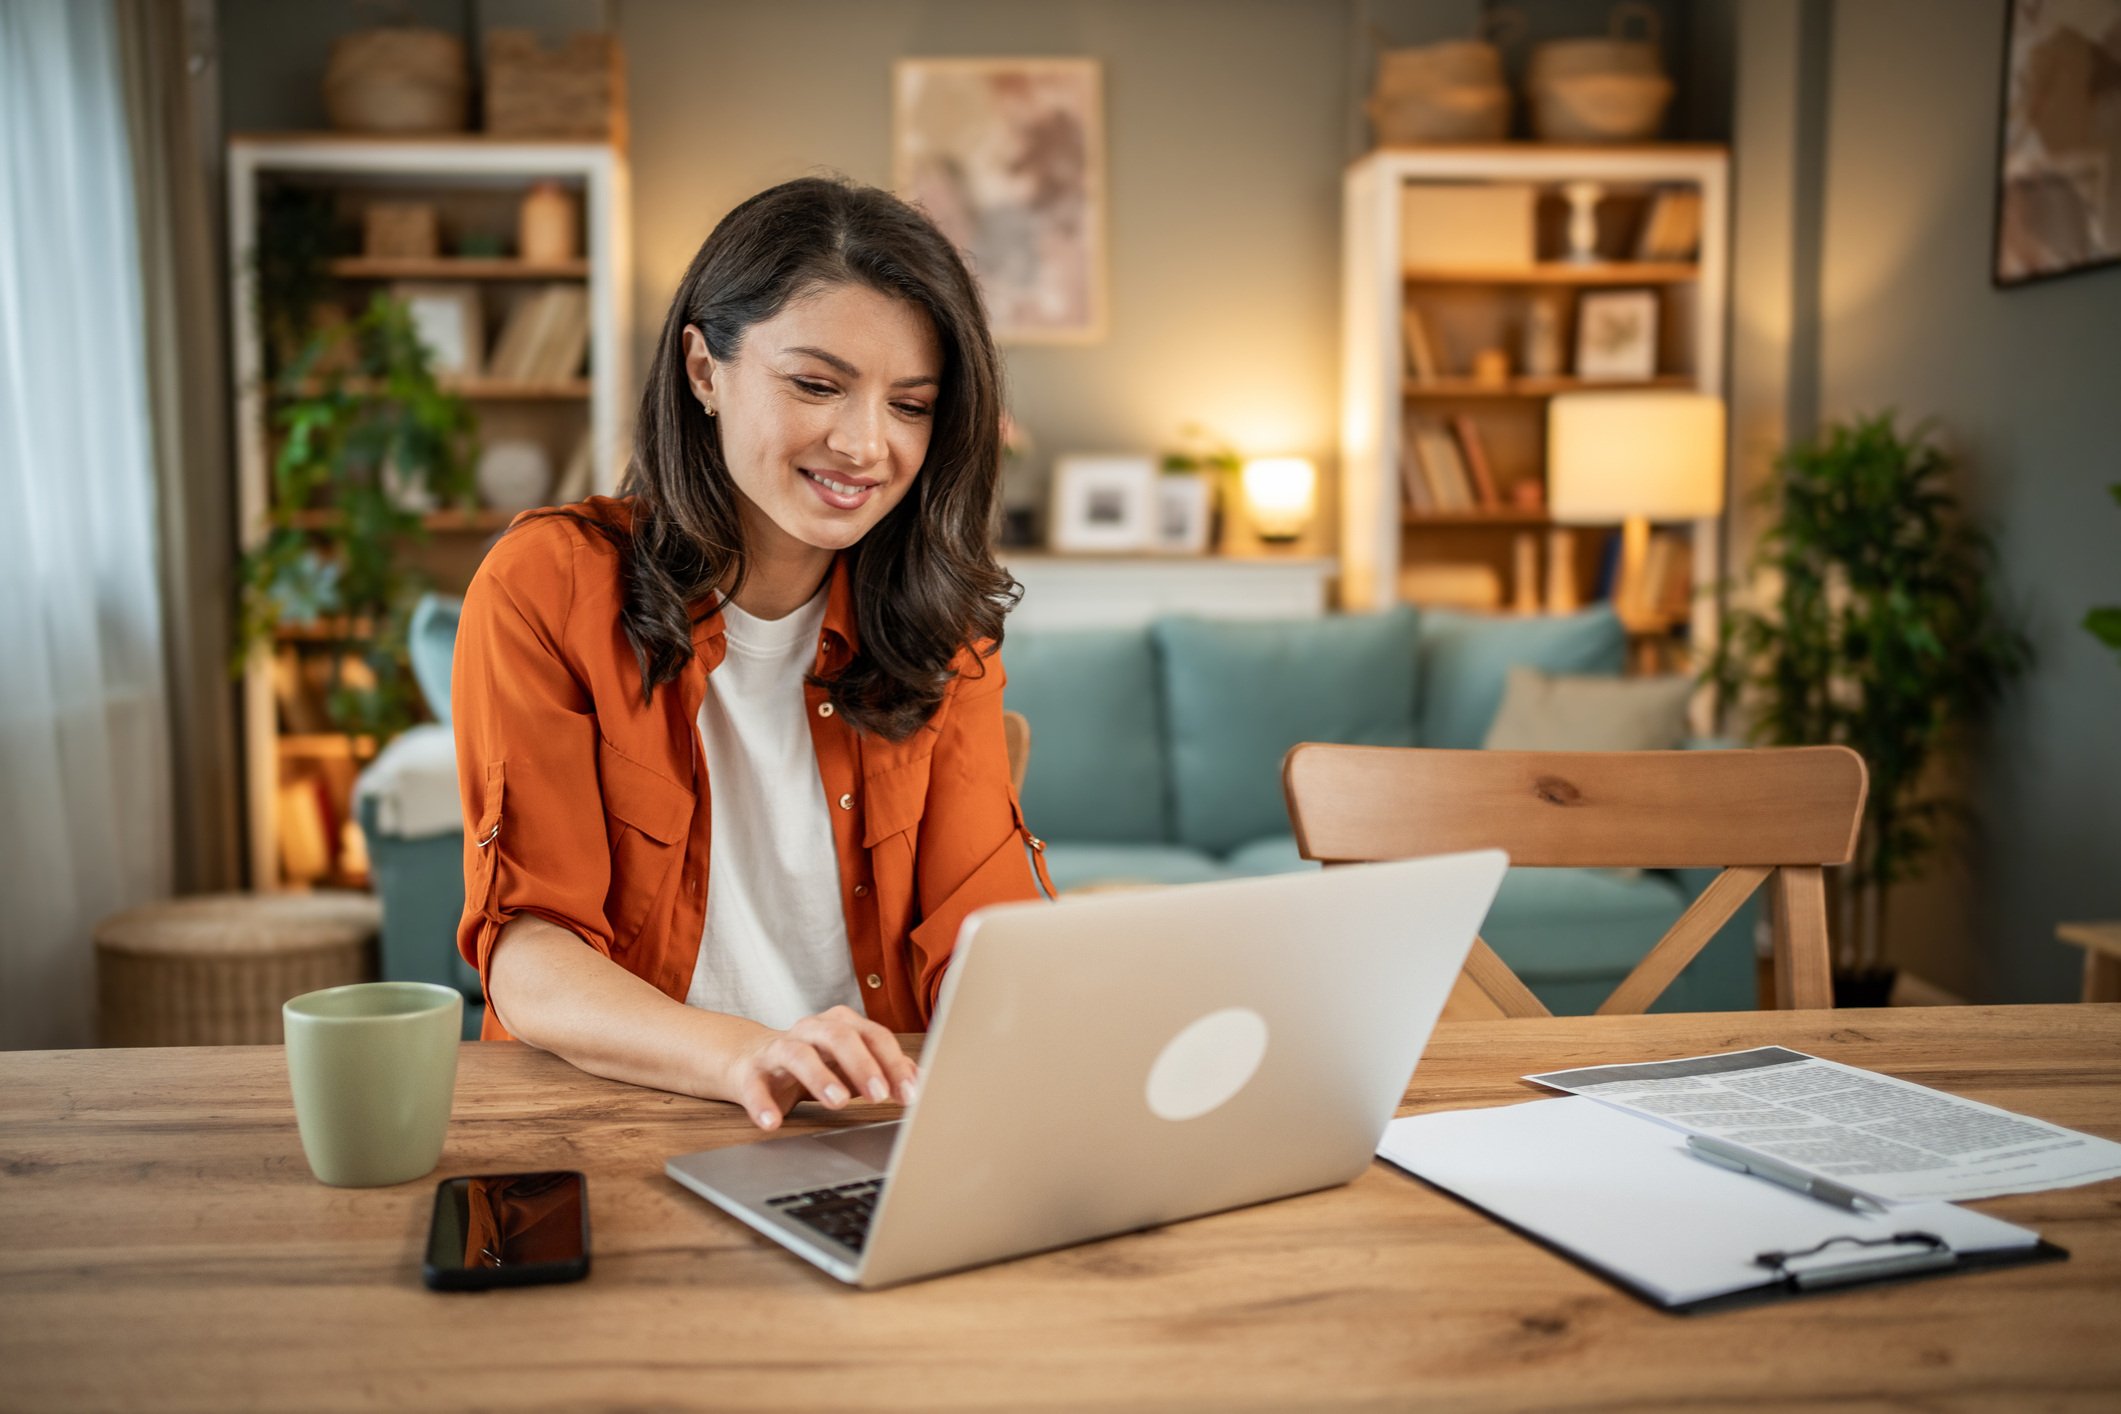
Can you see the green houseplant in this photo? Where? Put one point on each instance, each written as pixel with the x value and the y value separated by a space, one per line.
pixel 2105 623
pixel 1876 631
pixel 367 441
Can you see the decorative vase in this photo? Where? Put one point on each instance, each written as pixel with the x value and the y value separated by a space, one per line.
pixel 549 226
pixel 514 475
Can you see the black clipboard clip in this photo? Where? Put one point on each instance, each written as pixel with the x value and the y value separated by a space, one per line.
pixel 1879 1258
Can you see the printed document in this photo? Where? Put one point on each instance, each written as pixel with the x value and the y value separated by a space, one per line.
pixel 1889 1139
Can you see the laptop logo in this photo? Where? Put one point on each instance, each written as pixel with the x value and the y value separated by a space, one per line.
pixel 1202 1068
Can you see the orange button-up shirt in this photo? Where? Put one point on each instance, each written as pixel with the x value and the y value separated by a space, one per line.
pixel 588 808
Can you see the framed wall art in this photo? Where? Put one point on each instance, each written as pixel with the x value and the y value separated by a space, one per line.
pixel 2058 180
pixel 1616 335
pixel 1007 156
pixel 1104 504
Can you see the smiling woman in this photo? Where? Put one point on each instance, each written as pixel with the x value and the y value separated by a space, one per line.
pixel 782 637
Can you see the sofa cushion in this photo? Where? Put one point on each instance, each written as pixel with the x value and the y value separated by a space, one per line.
pixel 1239 695
pixel 1465 659
pixel 1080 865
pixel 1542 712
pixel 1097 769
pixel 1276 854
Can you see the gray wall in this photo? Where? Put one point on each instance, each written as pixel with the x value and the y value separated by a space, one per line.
pixel 2026 387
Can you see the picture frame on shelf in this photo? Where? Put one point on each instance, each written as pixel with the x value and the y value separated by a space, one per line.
pixel 1184 509
pixel 1616 336
pixel 450 322
pixel 1104 504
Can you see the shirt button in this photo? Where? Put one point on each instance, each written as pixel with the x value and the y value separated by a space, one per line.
pixel 861 890
pixel 846 802
pixel 874 981
pixel 824 709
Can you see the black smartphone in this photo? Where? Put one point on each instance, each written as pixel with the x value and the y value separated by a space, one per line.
pixel 508 1229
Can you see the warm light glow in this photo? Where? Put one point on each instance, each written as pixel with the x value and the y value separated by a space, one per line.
pixel 1282 495
pixel 1616 456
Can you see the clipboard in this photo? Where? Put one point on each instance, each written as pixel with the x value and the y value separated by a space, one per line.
pixel 1621 1197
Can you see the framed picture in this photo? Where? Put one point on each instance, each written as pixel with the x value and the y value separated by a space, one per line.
pixel 1616 335
pixel 1184 501
pixel 1007 156
pixel 2058 180
pixel 447 319
pixel 1104 503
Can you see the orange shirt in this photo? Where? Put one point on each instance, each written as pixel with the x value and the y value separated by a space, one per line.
pixel 584 807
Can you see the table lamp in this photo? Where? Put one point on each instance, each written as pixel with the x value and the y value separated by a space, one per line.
pixel 1632 457
pixel 1281 493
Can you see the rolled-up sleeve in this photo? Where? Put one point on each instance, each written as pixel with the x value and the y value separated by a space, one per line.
pixel 526 733
pixel 973 844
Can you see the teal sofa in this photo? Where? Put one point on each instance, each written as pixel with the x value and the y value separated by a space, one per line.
pixel 1156 758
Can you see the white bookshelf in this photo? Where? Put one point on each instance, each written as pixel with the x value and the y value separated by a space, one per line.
pixel 471 172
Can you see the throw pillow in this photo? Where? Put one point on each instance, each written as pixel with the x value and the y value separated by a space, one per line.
pixel 1543 713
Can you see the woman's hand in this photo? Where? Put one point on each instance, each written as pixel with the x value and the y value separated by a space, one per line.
pixel 832 1057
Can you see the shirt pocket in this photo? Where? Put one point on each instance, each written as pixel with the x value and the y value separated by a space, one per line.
pixel 647 819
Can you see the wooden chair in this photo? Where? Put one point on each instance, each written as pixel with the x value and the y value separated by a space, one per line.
pixel 1016 738
pixel 1781 814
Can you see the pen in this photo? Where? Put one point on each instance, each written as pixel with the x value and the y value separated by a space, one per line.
pixel 1824 1189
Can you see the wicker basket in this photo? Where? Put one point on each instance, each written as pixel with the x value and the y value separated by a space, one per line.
pixel 1448 92
pixel 1611 89
pixel 213 970
pixel 400 79
pixel 577 90
pixel 401 230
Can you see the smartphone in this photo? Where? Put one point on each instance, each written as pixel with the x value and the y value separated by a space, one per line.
pixel 508 1229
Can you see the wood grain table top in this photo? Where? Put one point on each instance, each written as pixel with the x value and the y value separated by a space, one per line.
pixel 162 1245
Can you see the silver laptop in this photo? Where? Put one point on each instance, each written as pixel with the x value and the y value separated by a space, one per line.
pixel 1117 1061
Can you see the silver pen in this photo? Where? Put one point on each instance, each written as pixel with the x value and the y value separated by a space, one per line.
pixel 1824 1189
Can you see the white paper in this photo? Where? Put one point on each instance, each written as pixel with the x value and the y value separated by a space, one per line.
pixel 1627 1198
pixel 1892 1139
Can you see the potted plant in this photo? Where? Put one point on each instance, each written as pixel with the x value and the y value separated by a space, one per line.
pixel 368 441
pixel 1877 631
pixel 1201 453
pixel 2105 623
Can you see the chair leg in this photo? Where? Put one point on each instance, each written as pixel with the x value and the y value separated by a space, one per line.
pixel 1803 969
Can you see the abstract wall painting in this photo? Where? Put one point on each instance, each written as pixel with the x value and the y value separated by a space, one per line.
pixel 1007 156
pixel 2058 198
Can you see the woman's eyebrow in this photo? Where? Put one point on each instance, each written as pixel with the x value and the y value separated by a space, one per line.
pixel 921 380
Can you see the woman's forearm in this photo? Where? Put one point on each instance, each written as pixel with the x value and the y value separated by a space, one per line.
pixel 555 992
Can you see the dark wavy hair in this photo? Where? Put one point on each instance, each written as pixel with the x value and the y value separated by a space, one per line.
pixel 925 581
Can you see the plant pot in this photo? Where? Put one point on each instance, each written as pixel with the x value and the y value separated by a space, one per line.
pixel 1869 987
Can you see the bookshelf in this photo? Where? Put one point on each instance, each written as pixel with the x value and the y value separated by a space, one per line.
pixel 294 759
pixel 1452 253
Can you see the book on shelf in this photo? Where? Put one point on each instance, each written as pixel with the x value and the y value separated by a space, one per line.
pixel 1671 228
pixel 575 483
pixel 1445 471
pixel 1421 346
pixel 544 338
pixel 1475 452
pixel 1416 486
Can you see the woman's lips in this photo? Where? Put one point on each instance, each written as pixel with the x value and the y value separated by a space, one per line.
pixel 842 495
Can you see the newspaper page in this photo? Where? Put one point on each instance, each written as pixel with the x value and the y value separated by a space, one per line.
pixel 1891 1139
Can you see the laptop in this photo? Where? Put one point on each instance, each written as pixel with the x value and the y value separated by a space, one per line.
pixel 1119 1061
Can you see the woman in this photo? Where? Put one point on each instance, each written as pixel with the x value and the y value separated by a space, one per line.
pixel 779 642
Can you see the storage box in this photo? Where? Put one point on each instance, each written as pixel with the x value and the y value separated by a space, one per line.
pixel 1461 225
pixel 576 90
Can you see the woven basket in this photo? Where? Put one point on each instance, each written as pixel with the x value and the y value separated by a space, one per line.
pixel 213 970
pixel 1448 92
pixel 400 79
pixel 1610 89
pixel 577 90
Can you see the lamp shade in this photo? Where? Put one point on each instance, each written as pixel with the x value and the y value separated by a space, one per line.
pixel 1282 494
pixel 1652 455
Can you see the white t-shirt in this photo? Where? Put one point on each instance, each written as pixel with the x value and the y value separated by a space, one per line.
pixel 774 948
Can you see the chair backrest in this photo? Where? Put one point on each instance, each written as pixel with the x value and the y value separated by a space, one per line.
pixel 1757 815
pixel 1016 736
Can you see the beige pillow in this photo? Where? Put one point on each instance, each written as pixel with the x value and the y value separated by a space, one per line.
pixel 1542 713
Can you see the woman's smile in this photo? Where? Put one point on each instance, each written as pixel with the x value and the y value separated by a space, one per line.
pixel 842 490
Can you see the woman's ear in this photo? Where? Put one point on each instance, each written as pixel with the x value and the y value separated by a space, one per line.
pixel 700 368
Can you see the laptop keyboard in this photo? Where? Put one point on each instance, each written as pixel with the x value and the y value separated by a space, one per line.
pixel 841 1213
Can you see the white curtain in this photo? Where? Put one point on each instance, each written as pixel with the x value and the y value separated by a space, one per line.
pixel 84 754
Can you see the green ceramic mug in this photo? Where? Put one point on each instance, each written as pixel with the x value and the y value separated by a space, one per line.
pixel 374 1068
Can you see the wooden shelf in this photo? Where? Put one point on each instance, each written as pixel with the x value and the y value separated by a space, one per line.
pixel 1458 520
pixel 364 267
pixel 1612 272
pixel 481 389
pixel 1537 387
pixel 326 746
pixel 441 522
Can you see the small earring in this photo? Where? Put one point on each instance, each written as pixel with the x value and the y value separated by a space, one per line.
pixel 707 407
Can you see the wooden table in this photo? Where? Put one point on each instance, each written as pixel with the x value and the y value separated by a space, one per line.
pixel 163 1245
pixel 2102 957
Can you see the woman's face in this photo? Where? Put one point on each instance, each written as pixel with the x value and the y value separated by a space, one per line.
pixel 824 414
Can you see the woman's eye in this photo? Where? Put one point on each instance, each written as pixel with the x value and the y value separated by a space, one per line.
pixel 814 388
pixel 913 409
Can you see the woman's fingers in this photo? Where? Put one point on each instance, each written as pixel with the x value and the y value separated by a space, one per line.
pixel 757 1097
pixel 801 1059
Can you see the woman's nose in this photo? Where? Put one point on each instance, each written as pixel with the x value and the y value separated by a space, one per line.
pixel 858 435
